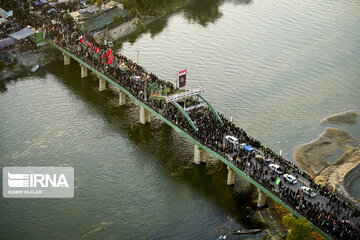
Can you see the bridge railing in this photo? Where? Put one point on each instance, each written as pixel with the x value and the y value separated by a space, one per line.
pixel 191 139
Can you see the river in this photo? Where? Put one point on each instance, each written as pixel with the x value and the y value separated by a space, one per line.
pixel 277 67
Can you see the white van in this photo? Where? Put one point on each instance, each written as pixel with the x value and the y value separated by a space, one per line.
pixel 233 140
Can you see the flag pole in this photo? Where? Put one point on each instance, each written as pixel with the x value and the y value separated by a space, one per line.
pixel 177 76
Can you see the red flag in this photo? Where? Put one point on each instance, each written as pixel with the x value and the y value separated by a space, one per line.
pixel 82 40
pixel 110 55
pixel 97 49
pixel 88 44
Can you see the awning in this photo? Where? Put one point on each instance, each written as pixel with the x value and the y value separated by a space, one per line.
pixel 7 42
pixel 23 33
pixel 3 20
pixel 3 13
pixel 9 13
pixel 90 9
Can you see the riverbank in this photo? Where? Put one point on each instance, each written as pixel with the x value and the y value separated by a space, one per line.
pixel 333 159
pixel 141 20
pixel 27 60
pixel 345 118
pixel 272 217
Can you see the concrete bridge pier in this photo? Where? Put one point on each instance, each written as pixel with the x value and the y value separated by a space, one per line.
pixel 199 155
pixel 66 59
pixel 231 176
pixel 145 115
pixel 261 199
pixel 84 71
pixel 102 84
pixel 122 98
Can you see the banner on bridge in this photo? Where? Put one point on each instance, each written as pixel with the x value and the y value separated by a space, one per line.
pixel 179 96
pixel 182 78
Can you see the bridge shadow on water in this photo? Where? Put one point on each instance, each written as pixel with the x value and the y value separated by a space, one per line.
pixel 171 151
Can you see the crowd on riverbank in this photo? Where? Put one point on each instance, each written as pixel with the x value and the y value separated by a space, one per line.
pixel 332 217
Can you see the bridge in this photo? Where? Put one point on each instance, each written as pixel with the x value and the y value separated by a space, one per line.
pixel 200 150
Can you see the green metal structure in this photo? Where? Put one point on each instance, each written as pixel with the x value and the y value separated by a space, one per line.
pixel 212 109
pixel 39 39
pixel 191 139
pixel 185 114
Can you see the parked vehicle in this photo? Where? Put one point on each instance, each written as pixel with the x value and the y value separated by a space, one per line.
pixel 267 161
pixel 247 148
pixel 275 168
pixel 290 178
pixel 231 139
pixel 52 10
pixel 308 191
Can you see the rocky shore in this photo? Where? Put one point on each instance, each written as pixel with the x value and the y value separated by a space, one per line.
pixel 119 31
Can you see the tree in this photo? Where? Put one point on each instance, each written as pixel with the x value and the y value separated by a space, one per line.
pixel 2 65
pixel 299 228
pixel 133 12
pixel 130 4
pixel 118 19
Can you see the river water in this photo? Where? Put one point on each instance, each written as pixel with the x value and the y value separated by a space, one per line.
pixel 277 67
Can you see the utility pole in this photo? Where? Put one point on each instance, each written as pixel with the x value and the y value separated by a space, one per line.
pixel 137 58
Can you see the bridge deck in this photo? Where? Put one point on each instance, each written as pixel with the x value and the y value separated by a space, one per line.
pixel 190 138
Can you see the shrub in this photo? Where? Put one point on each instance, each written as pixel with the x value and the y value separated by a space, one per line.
pixel 2 65
pixel 130 4
pixel 133 12
pixel 118 19
pixel 299 228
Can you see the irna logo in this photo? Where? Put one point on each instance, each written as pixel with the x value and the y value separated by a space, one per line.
pixel 36 180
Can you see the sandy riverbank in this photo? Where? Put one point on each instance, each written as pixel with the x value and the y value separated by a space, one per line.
pixel 333 159
pixel 345 118
pixel 313 156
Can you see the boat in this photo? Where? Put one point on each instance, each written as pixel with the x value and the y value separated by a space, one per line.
pixel 222 237
pixel 34 69
pixel 247 231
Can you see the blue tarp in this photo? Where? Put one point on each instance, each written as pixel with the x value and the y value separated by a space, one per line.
pixel 38 3
pixel 248 148
pixel 9 13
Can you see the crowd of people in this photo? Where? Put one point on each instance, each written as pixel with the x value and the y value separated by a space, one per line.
pixel 332 217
